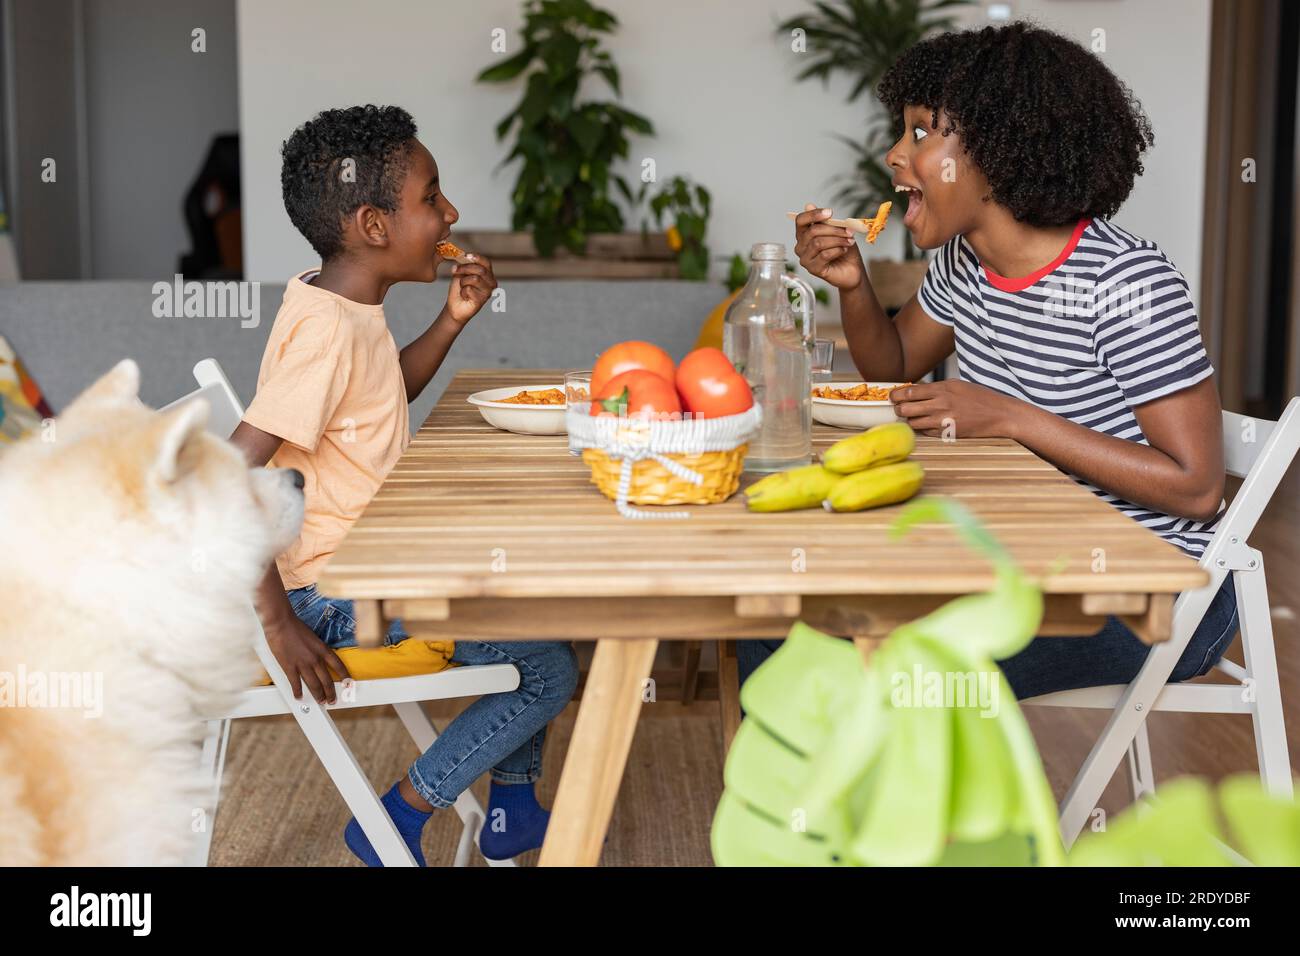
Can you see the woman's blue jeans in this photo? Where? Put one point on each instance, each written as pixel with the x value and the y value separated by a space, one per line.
pixel 1113 655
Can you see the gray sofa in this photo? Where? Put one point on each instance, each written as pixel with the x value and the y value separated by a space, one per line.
pixel 68 333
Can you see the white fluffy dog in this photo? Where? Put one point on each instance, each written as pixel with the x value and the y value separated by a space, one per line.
pixel 131 543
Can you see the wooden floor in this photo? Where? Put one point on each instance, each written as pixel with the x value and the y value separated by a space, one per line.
pixel 278 807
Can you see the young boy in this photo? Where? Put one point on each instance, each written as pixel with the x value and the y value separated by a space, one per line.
pixel 331 402
pixel 1073 336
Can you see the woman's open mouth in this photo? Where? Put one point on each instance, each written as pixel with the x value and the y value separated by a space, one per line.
pixel 915 200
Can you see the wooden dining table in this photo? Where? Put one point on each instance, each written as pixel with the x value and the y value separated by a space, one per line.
pixel 484 534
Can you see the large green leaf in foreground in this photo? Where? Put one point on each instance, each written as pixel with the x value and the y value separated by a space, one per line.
pixel 921 757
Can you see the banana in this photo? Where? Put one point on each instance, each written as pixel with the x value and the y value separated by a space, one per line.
pixel 804 487
pixel 874 487
pixel 875 446
pixel 771 481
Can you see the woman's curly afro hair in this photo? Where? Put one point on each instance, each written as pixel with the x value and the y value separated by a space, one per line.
pixel 1056 133
pixel 321 189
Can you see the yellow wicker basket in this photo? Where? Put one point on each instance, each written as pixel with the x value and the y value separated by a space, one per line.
pixel 653 484
pixel 692 461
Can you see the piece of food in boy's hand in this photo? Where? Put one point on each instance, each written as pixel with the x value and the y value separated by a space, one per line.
pixel 449 250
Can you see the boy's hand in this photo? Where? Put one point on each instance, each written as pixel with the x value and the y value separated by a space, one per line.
pixel 828 252
pixel 955 409
pixel 471 284
pixel 305 659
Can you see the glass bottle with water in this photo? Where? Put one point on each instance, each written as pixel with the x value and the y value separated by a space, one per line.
pixel 773 350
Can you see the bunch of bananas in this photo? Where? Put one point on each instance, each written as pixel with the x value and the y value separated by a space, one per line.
pixel 866 471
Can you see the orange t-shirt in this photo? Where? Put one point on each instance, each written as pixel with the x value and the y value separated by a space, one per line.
pixel 331 386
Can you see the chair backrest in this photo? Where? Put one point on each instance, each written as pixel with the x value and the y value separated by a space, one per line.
pixel 225 411
pixel 1259 451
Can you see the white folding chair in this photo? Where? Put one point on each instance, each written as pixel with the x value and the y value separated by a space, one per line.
pixel 403 693
pixel 1260 452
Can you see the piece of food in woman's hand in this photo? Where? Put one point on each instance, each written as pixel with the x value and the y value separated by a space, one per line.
pixel 872 227
pixel 545 396
pixel 858 393
pixel 449 250
pixel 877 224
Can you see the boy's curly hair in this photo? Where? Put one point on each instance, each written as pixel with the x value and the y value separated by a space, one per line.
pixel 320 191
pixel 1058 135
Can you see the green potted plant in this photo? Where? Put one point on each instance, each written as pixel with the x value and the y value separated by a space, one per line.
pixel 566 146
pixel 689 204
pixel 862 39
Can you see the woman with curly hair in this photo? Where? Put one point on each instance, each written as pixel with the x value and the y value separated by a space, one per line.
pixel 1073 336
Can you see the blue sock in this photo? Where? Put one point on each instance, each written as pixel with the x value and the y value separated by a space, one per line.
pixel 410 824
pixel 515 821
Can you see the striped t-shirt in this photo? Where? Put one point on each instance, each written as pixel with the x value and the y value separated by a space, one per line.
pixel 1107 326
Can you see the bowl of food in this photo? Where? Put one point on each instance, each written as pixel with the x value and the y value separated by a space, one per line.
pixel 857 405
pixel 534 410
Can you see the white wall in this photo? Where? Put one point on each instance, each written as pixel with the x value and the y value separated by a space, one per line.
pixel 152 108
pixel 1161 49
pixel 710 74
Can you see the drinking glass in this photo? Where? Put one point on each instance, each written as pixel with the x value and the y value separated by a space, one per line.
pixel 823 358
pixel 577 395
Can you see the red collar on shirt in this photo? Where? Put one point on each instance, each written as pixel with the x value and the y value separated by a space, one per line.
pixel 1020 283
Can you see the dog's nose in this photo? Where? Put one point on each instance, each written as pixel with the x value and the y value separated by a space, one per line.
pixel 298 480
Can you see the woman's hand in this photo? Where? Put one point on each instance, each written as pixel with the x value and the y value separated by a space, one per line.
pixel 828 252
pixel 1180 471
pixel 955 409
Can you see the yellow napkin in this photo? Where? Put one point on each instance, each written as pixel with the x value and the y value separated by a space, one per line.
pixel 411 656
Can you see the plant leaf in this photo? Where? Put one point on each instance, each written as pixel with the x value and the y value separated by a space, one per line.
pixel 508 69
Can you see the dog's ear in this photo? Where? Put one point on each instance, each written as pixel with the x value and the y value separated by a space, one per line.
pixel 118 384
pixel 172 433
pixel 100 407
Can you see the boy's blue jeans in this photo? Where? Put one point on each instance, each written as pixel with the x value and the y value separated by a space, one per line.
pixel 501 733
pixel 1113 655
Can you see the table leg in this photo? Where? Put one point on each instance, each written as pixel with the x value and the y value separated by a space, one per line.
pixel 728 694
pixel 370 623
pixel 691 671
pixel 593 767
pixel 867 646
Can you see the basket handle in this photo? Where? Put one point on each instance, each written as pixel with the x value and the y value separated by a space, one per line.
pixel 625 488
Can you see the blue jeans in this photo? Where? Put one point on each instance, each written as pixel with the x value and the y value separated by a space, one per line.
pixel 1113 655
pixel 500 733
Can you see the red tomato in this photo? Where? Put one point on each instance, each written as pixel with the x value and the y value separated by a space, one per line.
pixel 626 356
pixel 637 394
pixel 710 386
